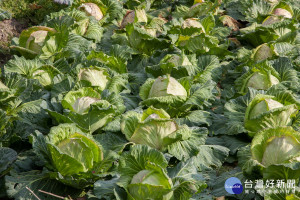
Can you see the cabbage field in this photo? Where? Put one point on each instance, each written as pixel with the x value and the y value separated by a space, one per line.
pixel 153 100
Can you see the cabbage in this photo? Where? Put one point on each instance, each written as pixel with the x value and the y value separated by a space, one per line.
pixel 74 154
pixel 174 95
pixel 167 86
pixel 44 78
pixel 261 81
pixel 36 41
pixel 177 65
pixel 267 111
pixel 82 104
pixel 282 12
pixel 153 128
pixel 277 13
pixel 279 150
pixel 272 1
pixel 138 15
pixel 91 9
pixel 264 106
pixel 32 40
pixel 260 75
pixel 152 180
pixel 128 19
pixel 276 151
pixel 81 100
pixel 262 52
pixel 271 20
pixel 192 23
pixel 149 178
pixel 89 109
pixel 176 60
pixel 96 76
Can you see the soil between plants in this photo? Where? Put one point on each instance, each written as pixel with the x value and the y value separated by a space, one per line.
pixel 8 29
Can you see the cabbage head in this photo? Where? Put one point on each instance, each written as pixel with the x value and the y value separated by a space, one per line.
pixel 32 40
pixel 96 76
pixel 268 111
pixel 72 151
pixel 260 76
pixel 176 60
pixel 192 23
pixel 81 100
pixel 89 109
pixel 91 9
pixel 176 96
pixel 73 156
pixel 274 152
pixel 282 12
pixel 262 81
pixel 102 11
pixel 45 75
pixel 279 12
pixel 262 52
pixel 154 128
pixel 167 86
pixel 138 15
pixel 149 179
pixel 164 92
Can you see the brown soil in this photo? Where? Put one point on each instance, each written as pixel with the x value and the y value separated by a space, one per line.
pixel 9 29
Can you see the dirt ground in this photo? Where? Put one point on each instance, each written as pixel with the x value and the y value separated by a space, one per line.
pixel 9 29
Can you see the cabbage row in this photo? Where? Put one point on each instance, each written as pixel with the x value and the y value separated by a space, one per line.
pixel 145 99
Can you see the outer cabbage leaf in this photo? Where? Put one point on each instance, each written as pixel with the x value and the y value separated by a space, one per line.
pixel 187 180
pixel 177 66
pixel 257 34
pixel 197 10
pixel 35 180
pixel 4 14
pixel 116 60
pixel 262 52
pixel 8 156
pixel 142 41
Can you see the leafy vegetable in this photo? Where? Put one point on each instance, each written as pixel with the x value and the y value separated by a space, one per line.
pixel 268 112
pixel 32 40
pixel 89 109
pixel 144 99
pixel 275 152
pixel 153 128
pixel 151 177
pixel 75 157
